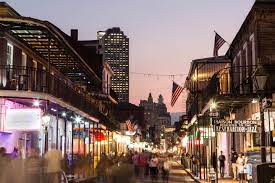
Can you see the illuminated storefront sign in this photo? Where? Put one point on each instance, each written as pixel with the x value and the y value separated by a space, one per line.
pixel 206 132
pixel 23 119
pixel 242 126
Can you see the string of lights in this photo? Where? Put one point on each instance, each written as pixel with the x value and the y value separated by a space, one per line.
pixel 158 75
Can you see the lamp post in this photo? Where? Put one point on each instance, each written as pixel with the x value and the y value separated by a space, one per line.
pixel 213 107
pixel 260 78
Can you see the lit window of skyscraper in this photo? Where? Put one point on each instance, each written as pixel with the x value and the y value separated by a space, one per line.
pixel 115 50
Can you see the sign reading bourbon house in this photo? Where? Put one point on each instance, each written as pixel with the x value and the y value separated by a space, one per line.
pixel 241 126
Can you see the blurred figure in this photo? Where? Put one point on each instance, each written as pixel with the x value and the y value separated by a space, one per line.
pixel 33 167
pixel 102 168
pixel 183 160
pixel 14 153
pixel 4 165
pixel 146 171
pixel 234 157
pixel 17 165
pixel 153 165
pixel 142 161
pixel 135 162
pixel 53 160
pixel 222 164
pixel 241 163
pixel 166 169
pixel 214 160
pixel 195 164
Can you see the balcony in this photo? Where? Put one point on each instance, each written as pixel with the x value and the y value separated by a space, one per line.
pixel 18 78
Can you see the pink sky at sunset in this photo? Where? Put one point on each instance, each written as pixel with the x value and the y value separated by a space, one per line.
pixel 164 35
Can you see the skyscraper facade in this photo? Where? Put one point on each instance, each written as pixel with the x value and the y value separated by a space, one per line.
pixel 114 46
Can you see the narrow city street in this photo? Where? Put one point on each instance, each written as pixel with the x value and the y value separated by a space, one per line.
pixel 145 91
pixel 177 175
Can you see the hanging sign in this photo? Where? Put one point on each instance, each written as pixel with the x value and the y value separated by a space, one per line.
pixel 242 126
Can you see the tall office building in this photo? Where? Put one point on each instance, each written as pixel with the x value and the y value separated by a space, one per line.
pixel 114 46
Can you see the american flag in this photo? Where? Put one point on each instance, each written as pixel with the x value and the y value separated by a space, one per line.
pixel 219 41
pixel 130 126
pixel 176 91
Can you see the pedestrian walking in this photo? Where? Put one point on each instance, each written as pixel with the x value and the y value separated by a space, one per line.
pixel 153 165
pixel 53 162
pixel 148 156
pixel 241 163
pixel 166 169
pixel 142 160
pixel 102 167
pixel 33 167
pixel 5 167
pixel 135 162
pixel 182 160
pixel 234 157
pixel 195 164
pixel 222 164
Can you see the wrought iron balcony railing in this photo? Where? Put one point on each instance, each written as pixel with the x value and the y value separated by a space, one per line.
pixel 37 80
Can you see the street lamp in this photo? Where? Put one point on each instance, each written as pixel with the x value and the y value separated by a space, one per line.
pixel 213 107
pixel 260 78
pixel 45 123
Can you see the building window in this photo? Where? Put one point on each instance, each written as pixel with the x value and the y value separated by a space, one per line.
pixel 9 54
pixel 24 59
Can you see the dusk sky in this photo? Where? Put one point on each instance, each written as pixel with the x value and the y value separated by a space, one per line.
pixel 165 35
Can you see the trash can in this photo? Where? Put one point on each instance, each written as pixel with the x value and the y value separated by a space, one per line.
pixel 212 176
pixel 266 172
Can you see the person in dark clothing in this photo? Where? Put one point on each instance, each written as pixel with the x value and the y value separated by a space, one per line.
pixel 183 156
pixel 214 160
pixel 222 164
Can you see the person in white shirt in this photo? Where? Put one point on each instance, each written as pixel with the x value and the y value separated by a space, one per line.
pixel 53 160
pixel 241 163
pixel 153 165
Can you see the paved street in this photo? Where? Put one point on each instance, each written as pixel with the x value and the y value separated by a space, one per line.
pixel 177 174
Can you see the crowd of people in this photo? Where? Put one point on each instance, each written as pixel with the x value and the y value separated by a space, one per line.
pixel 150 164
pixel 143 165
pixel 241 168
pixel 32 169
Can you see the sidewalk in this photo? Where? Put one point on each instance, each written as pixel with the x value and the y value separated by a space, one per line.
pixel 221 180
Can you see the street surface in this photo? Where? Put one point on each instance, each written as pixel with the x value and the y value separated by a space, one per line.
pixel 177 175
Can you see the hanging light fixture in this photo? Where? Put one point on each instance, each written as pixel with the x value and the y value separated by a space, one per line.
pixel 260 78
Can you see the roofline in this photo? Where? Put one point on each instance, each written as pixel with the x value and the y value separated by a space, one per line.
pixel 5 4
pixel 52 29
pixel 222 59
pixel 250 13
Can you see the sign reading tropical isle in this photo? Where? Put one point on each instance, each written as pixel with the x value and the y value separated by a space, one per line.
pixel 242 126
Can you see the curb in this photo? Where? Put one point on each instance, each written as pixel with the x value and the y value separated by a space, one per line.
pixel 190 174
pixel 193 177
